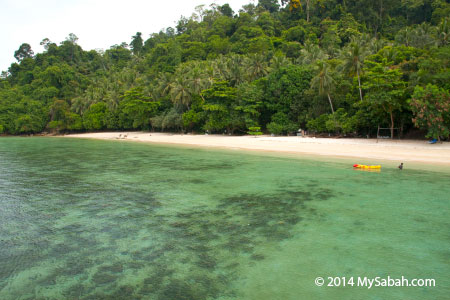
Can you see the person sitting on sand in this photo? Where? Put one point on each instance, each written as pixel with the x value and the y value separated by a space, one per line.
pixel 400 166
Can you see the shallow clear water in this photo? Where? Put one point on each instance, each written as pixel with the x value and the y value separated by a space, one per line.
pixel 84 219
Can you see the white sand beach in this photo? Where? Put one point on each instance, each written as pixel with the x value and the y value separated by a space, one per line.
pixel 364 150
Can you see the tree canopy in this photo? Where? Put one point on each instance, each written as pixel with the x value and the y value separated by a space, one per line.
pixel 331 66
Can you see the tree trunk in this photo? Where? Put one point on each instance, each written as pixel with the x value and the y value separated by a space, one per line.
pixel 307 10
pixel 392 124
pixel 381 15
pixel 359 83
pixel 331 103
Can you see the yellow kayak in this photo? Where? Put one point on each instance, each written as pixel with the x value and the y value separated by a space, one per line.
pixel 366 167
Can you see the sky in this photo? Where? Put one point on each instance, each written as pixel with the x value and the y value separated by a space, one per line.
pixel 98 24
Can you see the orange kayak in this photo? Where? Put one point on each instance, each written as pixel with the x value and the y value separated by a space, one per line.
pixel 366 167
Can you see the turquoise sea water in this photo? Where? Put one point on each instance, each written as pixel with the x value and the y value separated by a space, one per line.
pixel 83 219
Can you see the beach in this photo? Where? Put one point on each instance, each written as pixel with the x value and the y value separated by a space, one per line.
pixel 365 150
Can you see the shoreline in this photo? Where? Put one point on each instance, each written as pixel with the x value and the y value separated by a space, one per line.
pixel 368 151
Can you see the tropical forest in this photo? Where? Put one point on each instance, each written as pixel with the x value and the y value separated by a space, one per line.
pixel 331 67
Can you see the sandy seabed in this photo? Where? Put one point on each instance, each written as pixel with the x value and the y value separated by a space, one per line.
pixel 363 150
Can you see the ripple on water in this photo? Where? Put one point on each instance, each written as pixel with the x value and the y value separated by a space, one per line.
pixel 107 221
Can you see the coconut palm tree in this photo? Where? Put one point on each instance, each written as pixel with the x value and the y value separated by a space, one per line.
pixel 444 32
pixel 209 72
pixel 220 68
pixel 199 78
pixel 423 36
pixel 236 68
pixel 279 61
pixel 404 36
pixel 78 105
pixel 353 60
pixel 179 91
pixel 311 53
pixel 163 84
pixel 112 99
pixel 196 79
pixel 324 82
pixel 390 53
pixel 256 66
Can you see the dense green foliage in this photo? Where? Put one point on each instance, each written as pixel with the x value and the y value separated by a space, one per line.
pixel 331 66
pixel 431 107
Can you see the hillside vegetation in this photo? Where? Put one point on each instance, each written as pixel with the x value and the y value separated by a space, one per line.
pixel 330 66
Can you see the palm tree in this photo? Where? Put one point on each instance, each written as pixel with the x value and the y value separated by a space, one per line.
pixel 78 105
pixel 196 79
pixel 375 45
pixel 220 68
pixel 179 91
pixel 443 32
pixel 279 61
pixel 311 53
pixel 199 78
pixel 423 35
pixel 256 66
pixel 112 99
pixel 163 85
pixel 353 57
pixel 323 81
pixel 404 36
pixel 235 67
pixel 209 72
pixel 390 53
